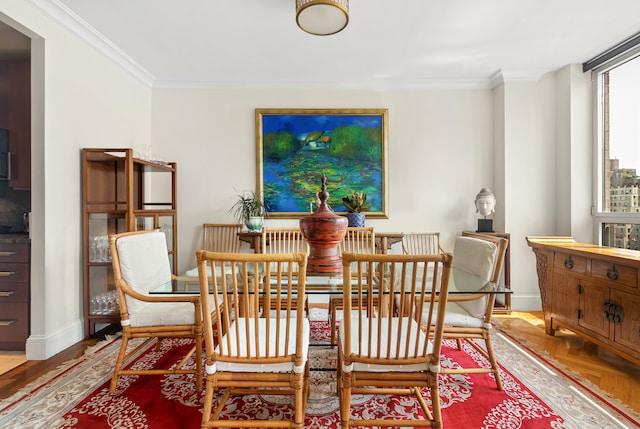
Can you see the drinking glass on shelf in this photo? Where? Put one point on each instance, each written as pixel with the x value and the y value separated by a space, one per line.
pixel 94 253
pixel 107 249
pixel 112 301
pixel 95 306
pixel 102 247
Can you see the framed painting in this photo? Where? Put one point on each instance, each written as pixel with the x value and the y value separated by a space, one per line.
pixel 295 147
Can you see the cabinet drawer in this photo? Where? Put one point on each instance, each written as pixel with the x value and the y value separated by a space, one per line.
pixel 14 292
pixel 14 322
pixel 570 263
pixel 615 273
pixel 14 252
pixel 14 273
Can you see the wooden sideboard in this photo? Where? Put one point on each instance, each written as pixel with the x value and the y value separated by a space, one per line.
pixel 591 290
pixel 384 240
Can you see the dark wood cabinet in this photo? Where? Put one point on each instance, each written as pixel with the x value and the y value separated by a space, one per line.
pixel 591 290
pixel 14 295
pixel 15 116
pixel 120 193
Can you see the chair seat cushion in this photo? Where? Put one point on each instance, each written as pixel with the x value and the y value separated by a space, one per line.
pixel 457 315
pixel 163 313
pixel 242 328
pixel 357 342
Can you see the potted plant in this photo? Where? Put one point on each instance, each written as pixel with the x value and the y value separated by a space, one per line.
pixel 355 205
pixel 250 209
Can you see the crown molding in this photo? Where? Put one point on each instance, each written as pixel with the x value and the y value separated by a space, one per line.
pixel 359 85
pixel 65 17
pixel 501 77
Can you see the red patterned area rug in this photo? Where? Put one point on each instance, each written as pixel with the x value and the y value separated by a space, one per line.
pixel 535 394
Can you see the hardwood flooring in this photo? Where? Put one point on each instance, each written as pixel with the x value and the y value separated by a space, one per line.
pixel 12 381
pixel 612 374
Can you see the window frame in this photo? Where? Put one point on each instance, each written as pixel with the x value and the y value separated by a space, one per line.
pixel 599 69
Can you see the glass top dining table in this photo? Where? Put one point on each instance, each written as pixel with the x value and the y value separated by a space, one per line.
pixel 460 283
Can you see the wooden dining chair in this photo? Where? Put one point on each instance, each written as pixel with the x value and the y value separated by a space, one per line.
pixel 421 243
pixel 221 237
pixel 356 240
pixel 418 243
pixel 140 263
pixel 284 240
pixel 468 317
pixel 259 346
pixel 381 353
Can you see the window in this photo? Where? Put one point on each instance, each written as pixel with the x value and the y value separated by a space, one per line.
pixel 617 214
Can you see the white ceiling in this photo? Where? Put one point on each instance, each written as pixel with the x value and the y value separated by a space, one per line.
pixel 387 44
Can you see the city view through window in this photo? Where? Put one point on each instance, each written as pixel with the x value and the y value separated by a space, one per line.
pixel 621 143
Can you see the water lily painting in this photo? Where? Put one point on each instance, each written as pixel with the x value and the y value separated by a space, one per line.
pixel 295 147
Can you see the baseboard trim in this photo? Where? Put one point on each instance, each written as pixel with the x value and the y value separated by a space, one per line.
pixel 41 347
pixel 526 303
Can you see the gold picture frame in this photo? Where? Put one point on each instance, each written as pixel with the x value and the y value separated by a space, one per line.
pixel 295 147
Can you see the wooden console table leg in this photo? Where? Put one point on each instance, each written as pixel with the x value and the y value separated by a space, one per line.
pixel 545 287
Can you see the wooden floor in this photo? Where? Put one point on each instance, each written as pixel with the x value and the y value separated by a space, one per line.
pixel 612 374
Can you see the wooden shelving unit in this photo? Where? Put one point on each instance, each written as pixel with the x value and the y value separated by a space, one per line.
pixel 120 193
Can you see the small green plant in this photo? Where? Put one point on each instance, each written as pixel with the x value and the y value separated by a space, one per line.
pixel 249 204
pixel 356 203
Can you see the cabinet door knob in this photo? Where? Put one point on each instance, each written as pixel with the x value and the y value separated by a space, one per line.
pixel 618 314
pixel 7 253
pixel 7 322
pixel 606 310
pixel 613 273
pixel 7 293
pixel 7 273
pixel 568 263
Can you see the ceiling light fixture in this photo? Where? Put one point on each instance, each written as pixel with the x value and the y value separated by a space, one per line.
pixel 322 17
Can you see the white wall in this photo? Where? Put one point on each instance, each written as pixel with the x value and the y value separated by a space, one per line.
pixel 440 153
pixel 529 178
pixel 545 132
pixel 85 101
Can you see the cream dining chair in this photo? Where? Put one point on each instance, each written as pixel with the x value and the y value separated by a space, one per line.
pixel 260 346
pixel 141 263
pixel 380 353
pixel 469 316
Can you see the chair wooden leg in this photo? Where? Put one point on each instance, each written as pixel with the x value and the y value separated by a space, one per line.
pixel 208 402
pixel 299 400
pixel 492 360
pixel 436 416
pixel 119 363
pixel 199 339
pixel 333 304
pixel 343 387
